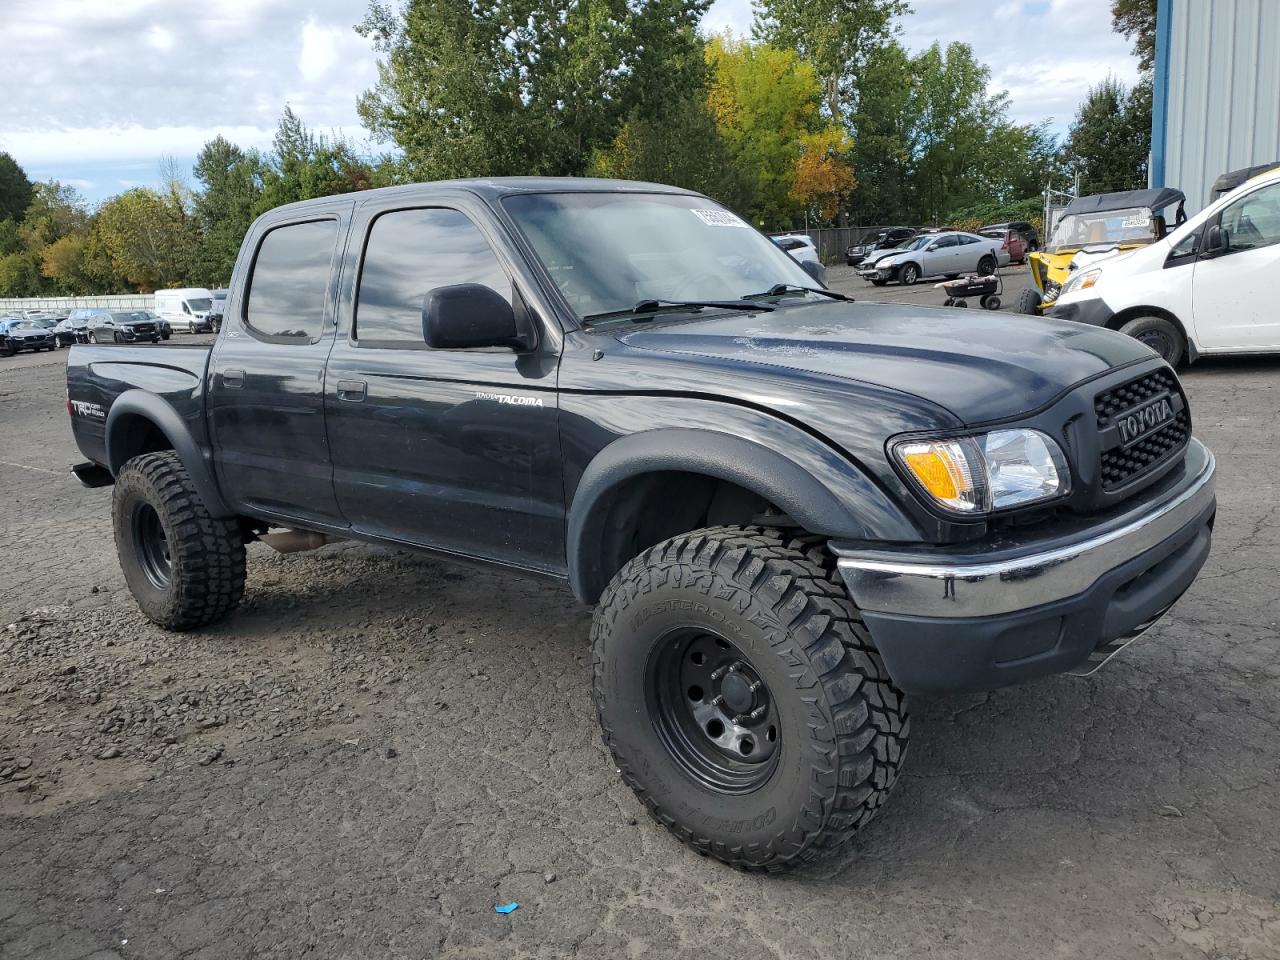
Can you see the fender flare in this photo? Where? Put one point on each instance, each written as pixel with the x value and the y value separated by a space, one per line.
pixel 764 471
pixel 155 410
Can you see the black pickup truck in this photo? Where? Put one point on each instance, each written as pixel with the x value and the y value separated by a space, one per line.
pixel 789 509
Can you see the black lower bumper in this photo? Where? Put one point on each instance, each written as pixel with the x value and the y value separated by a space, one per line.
pixel 934 654
pixel 1021 607
pixel 1093 311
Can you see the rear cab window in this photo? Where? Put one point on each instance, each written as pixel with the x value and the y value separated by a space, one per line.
pixel 288 288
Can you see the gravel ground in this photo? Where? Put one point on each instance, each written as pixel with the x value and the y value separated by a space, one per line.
pixel 379 748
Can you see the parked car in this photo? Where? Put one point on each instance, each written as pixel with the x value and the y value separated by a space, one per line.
pixel 1022 228
pixel 166 331
pixel 47 323
pixel 877 240
pixel 1093 228
pixel 75 328
pixel 1010 240
pixel 948 253
pixel 218 309
pixel 186 308
pixel 867 268
pixel 1206 288
pixel 18 334
pixel 123 326
pixel 802 248
pixel 828 506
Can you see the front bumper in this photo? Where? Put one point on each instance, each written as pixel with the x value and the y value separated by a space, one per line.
pixel 1091 310
pixel 946 621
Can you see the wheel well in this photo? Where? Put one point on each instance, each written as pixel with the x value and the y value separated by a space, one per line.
pixel 652 507
pixel 133 435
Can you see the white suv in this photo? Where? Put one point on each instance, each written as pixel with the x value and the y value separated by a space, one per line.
pixel 1208 287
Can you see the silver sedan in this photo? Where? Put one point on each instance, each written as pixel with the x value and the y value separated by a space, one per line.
pixel 946 254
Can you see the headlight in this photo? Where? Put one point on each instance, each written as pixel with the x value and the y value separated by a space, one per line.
pixel 992 471
pixel 1082 281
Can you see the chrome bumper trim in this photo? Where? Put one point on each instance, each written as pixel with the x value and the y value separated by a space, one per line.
pixel 917 585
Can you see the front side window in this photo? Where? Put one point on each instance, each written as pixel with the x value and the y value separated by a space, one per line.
pixel 1254 220
pixel 290 280
pixel 409 253
pixel 609 252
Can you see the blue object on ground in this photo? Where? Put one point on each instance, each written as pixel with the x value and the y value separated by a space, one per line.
pixel 507 907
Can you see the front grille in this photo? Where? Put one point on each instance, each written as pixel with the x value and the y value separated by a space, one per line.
pixel 1121 465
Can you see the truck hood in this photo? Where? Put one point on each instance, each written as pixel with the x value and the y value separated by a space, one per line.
pixel 979 366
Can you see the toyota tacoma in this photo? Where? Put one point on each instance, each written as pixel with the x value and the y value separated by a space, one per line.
pixel 790 511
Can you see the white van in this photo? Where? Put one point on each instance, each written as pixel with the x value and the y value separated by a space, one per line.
pixel 186 308
pixel 1206 288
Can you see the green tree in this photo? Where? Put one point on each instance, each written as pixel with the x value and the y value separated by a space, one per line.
pixel 524 86
pixel 884 127
pixel 836 36
pixel 765 100
pixel 231 184
pixel 683 149
pixel 959 130
pixel 148 237
pixel 16 190
pixel 1110 138
pixel 1136 19
pixel 304 165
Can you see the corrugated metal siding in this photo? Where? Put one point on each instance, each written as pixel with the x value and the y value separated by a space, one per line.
pixel 1223 106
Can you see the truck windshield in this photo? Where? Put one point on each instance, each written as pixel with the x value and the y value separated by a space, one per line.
pixel 1131 225
pixel 609 251
pixel 200 304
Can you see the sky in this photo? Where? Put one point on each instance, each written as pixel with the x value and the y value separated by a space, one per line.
pixel 98 92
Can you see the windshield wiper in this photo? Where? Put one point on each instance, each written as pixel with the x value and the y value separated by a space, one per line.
pixel 653 306
pixel 779 289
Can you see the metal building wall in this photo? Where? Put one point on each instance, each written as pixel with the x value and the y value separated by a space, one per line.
pixel 1217 91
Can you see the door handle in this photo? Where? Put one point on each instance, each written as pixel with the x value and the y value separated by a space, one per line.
pixel 233 379
pixel 352 390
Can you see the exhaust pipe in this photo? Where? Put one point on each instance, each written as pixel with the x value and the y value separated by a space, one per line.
pixel 296 541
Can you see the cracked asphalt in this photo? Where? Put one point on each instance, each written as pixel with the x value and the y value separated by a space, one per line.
pixel 379 748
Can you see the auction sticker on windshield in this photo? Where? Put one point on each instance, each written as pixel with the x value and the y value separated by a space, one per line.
pixel 718 218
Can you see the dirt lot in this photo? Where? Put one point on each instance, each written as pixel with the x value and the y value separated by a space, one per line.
pixel 378 748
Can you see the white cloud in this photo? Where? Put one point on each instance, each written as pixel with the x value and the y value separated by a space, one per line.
pixel 319 50
pixel 159 37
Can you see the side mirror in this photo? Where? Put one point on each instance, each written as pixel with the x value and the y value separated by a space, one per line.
pixel 1218 240
pixel 470 315
pixel 815 270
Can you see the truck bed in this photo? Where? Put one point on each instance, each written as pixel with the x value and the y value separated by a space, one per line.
pixel 99 374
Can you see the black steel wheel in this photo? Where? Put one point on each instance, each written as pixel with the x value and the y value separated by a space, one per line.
pixel 987 266
pixel 150 545
pixel 712 710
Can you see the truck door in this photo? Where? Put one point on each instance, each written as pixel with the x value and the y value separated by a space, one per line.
pixel 456 449
pixel 266 383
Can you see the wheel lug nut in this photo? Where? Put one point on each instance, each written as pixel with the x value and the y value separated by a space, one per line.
pixel 717 701
pixel 757 685
pixel 757 713
pixel 719 672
